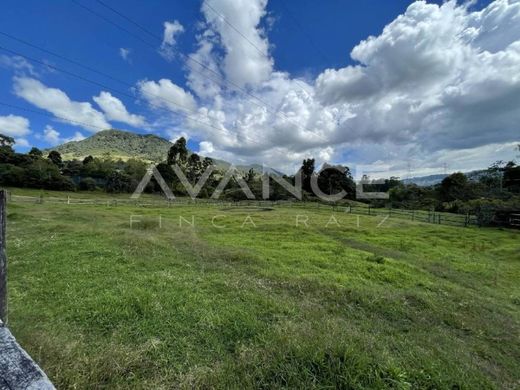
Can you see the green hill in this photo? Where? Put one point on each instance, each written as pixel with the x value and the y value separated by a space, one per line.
pixel 124 145
pixel 117 144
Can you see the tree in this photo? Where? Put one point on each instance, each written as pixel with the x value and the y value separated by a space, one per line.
pixel 118 182
pixel 35 152
pixel 6 149
pixel 454 187
pixel 334 179
pixel 178 153
pixel 250 176
pixel 208 161
pixel 55 158
pixel 87 184
pixel 194 167
pixel 307 170
pixel 11 175
pixel 512 177
pixel 88 160
pixel 6 140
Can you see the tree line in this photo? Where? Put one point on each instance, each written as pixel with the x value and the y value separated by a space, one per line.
pixel 498 186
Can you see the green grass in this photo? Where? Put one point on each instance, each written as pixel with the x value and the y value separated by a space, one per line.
pixel 405 305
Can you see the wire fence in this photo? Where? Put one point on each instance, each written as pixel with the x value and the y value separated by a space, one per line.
pixel 413 215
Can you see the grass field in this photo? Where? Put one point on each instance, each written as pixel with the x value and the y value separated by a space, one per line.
pixel 102 304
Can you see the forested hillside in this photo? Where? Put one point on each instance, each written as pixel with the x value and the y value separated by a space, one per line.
pixel 116 144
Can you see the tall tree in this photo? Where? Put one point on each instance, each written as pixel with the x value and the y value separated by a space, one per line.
pixel 35 152
pixel 194 167
pixel 250 176
pixel 334 179
pixel 454 187
pixel 307 170
pixel 55 158
pixel 178 153
pixel 6 148
pixel 87 160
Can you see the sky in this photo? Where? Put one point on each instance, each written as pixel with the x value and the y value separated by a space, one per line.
pixel 386 87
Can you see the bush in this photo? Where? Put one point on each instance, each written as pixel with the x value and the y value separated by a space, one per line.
pixel 11 175
pixel 87 184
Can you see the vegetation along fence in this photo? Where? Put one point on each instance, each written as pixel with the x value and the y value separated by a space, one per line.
pixel 414 215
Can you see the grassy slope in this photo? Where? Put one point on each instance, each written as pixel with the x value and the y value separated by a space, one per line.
pixel 120 144
pixel 405 305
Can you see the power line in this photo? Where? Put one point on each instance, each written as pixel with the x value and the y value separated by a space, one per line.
pixel 110 22
pixel 244 37
pixel 77 63
pixel 233 27
pixel 127 19
pixel 263 104
pixel 307 35
pixel 184 56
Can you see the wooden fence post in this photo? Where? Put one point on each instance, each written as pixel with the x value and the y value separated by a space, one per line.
pixel 3 259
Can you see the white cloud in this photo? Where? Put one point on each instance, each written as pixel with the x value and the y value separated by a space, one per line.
pixel 204 76
pixel 76 137
pixel 429 79
pixel 125 53
pixel 206 148
pixel 115 110
pixel 171 31
pixel 19 64
pixel 236 24
pixel 14 126
pixel 166 94
pixel 53 137
pixel 22 142
pixel 59 104
pixel 174 135
pixel 439 78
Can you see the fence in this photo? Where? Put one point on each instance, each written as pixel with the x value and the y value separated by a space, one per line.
pixel 514 220
pixel 414 215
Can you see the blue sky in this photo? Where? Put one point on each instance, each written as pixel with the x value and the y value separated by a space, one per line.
pixel 305 49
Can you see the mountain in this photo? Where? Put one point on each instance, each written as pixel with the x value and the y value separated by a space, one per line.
pixel 117 144
pixel 424 181
pixel 124 145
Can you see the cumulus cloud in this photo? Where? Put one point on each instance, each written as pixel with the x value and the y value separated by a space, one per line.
pixel 14 126
pixel 204 75
pixel 165 94
pixel 59 104
pixel 115 110
pixel 438 78
pixel 53 137
pixel 19 64
pixel 237 26
pixel 171 31
pixel 206 148
pixel 24 143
